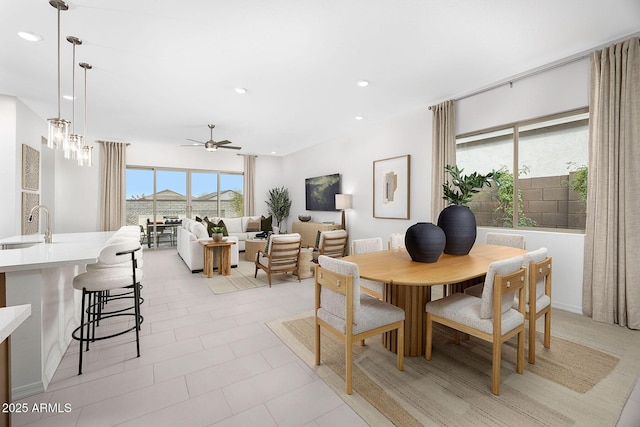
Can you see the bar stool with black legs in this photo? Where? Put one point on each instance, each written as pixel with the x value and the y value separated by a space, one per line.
pixel 95 283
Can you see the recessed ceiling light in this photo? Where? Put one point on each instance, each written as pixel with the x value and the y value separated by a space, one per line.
pixel 68 97
pixel 273 152
pixel 241 90
pixel 359 117
pixel 363 83
pixel 31 37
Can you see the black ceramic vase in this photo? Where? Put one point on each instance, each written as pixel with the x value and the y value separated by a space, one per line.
pixel 424 242
pixel 459 225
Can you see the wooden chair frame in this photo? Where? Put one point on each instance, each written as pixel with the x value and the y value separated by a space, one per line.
pixel 283 258
pixel 502 285
pixel 538 270
pixel 343 284
pixel 332 246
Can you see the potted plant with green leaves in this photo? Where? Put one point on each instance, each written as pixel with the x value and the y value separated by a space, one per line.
pixel 217 233
pixel 279 204
pixel 458 221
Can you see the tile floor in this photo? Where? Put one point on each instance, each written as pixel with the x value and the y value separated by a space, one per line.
pixel 206 360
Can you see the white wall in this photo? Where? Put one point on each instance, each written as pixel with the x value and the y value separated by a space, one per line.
pixel 9 186
pixel 352 156
pixel 18 125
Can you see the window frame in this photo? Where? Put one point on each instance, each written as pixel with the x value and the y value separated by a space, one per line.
pixel 514 129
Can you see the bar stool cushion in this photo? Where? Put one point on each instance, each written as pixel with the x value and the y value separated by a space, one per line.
pixel 106 279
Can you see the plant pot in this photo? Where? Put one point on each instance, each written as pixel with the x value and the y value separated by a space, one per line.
pixel 424 242
pixel 217 237
pixel 459 225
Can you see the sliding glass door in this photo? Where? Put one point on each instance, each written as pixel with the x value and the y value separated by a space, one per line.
pixel 159 198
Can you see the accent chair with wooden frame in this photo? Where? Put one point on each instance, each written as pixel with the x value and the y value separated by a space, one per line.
pixel 331 243
pixel 539 266
pixel 280 256
pixel 491 318
pixel 341 309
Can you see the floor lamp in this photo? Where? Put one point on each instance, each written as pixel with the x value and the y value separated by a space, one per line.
pixel 343 202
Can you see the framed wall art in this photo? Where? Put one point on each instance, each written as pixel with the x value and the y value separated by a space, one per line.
pixel 391 187
pixel 30 168
pixel 320 192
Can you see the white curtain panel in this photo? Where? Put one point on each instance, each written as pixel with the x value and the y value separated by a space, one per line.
pixel 612 263
pixel 113 167
pixel 443 152
pixel 249 185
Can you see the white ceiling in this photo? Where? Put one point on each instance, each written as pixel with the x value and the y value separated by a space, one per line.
pixel 163 70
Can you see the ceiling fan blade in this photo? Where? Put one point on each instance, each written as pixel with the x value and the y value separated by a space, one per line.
pixel 224 142
pixel 191 145
pixel 199 142
pixel 230 147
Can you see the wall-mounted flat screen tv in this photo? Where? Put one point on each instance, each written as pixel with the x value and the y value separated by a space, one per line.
pixel 321 192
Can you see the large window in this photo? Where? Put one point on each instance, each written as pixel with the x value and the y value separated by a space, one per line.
pixel 157 198
pixel 539 171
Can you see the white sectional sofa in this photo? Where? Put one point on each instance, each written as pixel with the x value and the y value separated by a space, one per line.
pixel 238 227
pixel 190 233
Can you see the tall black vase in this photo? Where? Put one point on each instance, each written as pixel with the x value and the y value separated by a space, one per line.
pixel 459 225
pixel 424 242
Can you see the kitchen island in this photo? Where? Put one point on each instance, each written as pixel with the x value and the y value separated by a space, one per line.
pixel 41 274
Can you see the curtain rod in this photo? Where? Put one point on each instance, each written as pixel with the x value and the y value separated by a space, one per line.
pixel 521 77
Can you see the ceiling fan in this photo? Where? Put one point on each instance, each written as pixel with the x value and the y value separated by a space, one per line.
pixel 212 145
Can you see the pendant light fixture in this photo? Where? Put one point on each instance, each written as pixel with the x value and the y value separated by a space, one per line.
pixel 75 140
pixel 58 127
pixel 85 152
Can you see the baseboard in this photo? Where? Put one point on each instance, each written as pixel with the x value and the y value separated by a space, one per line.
pixel 566 307
pixel 27 390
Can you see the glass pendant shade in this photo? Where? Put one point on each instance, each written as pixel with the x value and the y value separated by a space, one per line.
pixel 85 156
pixel 58 133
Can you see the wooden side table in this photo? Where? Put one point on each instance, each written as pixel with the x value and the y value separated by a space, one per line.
pixel 252 246
pixel 304 263
pixel 224 256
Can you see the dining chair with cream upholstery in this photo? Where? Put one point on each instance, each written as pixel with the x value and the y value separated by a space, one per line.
pixel 331 243
pixel 363 246
pixel 396 241
pixel 501 239
pixel 539 266
pixel 491 318
pixel 341 309
pixel 281 255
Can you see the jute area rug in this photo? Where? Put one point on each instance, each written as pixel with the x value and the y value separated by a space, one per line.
pixel 583 380
pixel 241 278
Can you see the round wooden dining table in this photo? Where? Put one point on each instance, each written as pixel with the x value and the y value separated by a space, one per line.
pixel 408 283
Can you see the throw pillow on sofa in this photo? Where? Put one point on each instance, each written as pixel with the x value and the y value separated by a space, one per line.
pixel 253 224
pixel 199 230
pixel 265 223
pixel 221 223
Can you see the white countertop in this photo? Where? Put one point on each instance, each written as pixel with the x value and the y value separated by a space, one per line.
pixel 67 248
pixel 11 318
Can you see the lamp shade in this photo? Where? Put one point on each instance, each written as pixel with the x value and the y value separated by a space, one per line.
pixel 343 201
